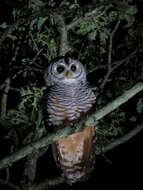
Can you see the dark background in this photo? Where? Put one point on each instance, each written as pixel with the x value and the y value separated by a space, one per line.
pixel 120 167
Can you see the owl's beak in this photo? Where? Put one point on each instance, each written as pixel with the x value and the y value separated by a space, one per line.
pixel 68 74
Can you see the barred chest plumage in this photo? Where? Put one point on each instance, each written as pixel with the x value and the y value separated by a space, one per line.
pixel 68 102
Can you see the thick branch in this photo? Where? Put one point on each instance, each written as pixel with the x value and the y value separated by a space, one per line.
pixel 30 168
pixel 65 132
pixel 49 139
pixel 48 183
pixel 128 94
pixel 64 46
pixel 63 28
pixel 123 139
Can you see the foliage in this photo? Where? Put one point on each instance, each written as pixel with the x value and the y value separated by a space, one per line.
pixel 139 111
pixel 111 128
pixel 34 41
pixel 30 37
pixel 28 111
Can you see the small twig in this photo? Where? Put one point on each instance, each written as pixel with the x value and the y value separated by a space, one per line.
pixel 109 71
pixel 9 160
pixel 15 89
pixel 95 68
pixel 12 27
pixel 9 30
pixel 30 168
pixel 88 16
pixel 118 63
pixel 82 47
pixel 111 44
pixel 4 97
pixel 123 139
pixel 10 88
pixel 15 54
pixel 15 75
pixel 38 53
pixel 35 44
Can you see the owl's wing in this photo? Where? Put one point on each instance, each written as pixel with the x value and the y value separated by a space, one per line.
pixel 75 156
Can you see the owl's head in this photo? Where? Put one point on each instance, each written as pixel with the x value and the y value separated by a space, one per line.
pixel 65 70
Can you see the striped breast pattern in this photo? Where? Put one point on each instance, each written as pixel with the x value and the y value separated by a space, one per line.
pixel 68 102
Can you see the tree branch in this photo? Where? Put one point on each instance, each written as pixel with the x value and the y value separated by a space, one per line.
pixel 48 183
pixel 120 62
pixel 109 71
pixel 88 16
pixel 123 139
pixel 95 68
pixel 4 97
pixel 128 94
pixel 49 139
pixel 64 46
pixel 8 31
pixel 30 168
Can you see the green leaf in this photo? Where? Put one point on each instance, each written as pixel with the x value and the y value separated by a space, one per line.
pixel 3 25
pixel 41 21
pixel 133 118
pixel 139 107
pixel 92 35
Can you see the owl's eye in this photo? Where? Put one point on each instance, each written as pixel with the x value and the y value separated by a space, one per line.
pixel 73 68
pixel 60 69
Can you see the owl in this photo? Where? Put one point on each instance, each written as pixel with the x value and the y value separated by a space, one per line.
pixel 69 100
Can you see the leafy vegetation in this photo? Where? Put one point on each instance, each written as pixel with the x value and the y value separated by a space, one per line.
pixel 106 36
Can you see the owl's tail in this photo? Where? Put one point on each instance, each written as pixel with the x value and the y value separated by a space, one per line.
pixel 75 155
